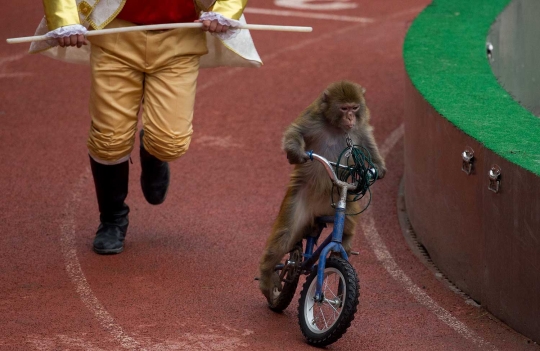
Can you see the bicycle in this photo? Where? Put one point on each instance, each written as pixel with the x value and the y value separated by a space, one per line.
pixel 330 295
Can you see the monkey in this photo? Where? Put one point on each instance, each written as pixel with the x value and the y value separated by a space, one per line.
pixel 339 112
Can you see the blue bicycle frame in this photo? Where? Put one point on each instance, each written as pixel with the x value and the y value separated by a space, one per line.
pixel 333 242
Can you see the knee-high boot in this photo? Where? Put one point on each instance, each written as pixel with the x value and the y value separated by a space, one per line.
pixel 155 176
pixel 111 183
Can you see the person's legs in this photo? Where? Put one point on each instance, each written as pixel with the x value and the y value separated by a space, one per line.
pixel 169 99
pixel 117 88
pixel 164 68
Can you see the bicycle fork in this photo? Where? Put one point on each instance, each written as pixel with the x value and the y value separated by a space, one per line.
pixel 331 244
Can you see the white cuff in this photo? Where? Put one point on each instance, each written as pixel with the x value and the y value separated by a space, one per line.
pixel 66 31
pixel 224 21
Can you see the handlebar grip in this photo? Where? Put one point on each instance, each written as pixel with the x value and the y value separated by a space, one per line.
pixel 372 174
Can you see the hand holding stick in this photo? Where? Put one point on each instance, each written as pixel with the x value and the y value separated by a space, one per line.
pixel 165 26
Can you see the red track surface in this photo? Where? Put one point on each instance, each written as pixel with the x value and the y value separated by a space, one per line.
pixel 185 280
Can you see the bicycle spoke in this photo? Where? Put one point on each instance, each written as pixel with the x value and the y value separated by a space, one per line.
pixel 325 284
pixel 324 319
pixel 331 292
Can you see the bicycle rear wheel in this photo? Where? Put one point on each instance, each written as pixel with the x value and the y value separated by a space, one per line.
pixel 286 278
pixel 324 322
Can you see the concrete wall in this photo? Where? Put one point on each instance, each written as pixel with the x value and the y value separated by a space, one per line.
pixel 487 243
pixel 515 57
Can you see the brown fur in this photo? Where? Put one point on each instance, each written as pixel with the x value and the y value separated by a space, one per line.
pixel 323 128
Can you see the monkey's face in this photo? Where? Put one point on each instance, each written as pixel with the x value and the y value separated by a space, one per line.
pixel 349 115
pixel 345 116
pixel 343 105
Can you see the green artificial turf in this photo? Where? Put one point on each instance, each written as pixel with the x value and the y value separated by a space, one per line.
pixel 445 58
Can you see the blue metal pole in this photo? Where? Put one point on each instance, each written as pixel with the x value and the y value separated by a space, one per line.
pixel 313 258
pixel 335 245
pixel 320 269
pixel 310 243
pixel 339 223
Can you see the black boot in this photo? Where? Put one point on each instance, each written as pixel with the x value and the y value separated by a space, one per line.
pixel 111 183
pixel 155 176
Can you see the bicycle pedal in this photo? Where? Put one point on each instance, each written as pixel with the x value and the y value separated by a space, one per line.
pixel 356 253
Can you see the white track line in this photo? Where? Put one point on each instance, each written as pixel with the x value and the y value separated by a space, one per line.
pixel 368 226
pixel 5 73
pixel 75 273
pixel 335 5
pixel 314 15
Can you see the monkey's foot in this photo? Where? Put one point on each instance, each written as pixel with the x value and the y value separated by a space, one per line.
pixel 265 288
pixel 267 284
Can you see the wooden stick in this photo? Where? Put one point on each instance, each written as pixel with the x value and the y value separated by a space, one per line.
pixel 162 27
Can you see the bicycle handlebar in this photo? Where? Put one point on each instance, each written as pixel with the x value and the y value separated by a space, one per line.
pixel 328 166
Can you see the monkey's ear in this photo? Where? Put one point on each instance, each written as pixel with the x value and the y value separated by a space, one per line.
pixel 363 90
pixel 325 96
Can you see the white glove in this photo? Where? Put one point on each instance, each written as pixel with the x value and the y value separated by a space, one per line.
pixel 66 31
pixel 224 21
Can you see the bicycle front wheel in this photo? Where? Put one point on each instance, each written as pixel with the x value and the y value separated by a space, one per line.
pixel 324 322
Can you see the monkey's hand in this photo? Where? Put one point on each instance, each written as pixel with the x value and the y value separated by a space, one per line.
pixel 381 171
pixel 297 157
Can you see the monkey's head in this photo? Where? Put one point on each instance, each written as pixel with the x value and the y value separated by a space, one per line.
pixel 343 105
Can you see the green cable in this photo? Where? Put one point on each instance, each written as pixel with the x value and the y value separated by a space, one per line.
pixel 359 170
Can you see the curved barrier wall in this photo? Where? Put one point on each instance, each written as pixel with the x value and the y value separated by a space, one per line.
pixel 486 242
pixel 514 52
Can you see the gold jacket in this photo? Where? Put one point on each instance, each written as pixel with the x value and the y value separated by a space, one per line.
pixel 97 14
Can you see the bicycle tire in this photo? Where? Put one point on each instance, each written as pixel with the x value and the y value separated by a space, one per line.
pixel 344 306
pixel 280 299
